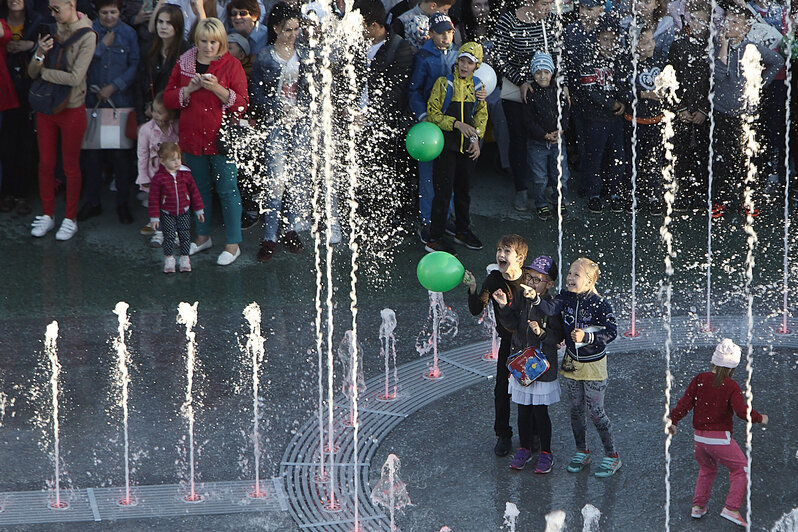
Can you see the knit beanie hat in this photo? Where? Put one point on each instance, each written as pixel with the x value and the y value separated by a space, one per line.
pixel 727 354
pixel 541 61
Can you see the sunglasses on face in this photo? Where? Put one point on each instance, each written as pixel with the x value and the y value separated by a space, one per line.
pixel 236 13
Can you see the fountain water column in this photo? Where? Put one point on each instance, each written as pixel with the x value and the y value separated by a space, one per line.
pixel 388 352
pixel 122 381
pixel 752 72
pixel 713 31
pixel 50 348
pixel 257 353
pixel 667 84
pixel 436 302
pixel 390 492
pixel 633 333
pixel 187 315
pixel 560 150
pixel 788 81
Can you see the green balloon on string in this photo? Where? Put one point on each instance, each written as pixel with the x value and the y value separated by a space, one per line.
pixel 424 141
pixel 439 271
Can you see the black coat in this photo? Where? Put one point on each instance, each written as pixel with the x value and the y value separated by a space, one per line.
pixel 691 62
pixel 388 75
pixel 540 111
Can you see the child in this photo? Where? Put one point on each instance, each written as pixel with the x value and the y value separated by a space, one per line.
pixel 730 106
pixel 162 128
pixel 715 397
pixel 434 60
pixel 511 252
pixel 589 325
pixel 415 24
pixel 650 155
pixel 110 79
pixel 453 106
pixel 688 55
pixel 173 194
pixel 545 126
pixel 532 328
pixel 603 122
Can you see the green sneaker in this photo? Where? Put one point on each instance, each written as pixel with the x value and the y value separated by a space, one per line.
pixel 608 467
pixel 578 462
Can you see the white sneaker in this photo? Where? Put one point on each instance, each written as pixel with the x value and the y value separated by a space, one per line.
pixel 67 230
pixel 157 240
pixel 42 225
pixel 226 258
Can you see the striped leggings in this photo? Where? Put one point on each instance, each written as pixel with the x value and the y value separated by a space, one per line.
pixel 180 224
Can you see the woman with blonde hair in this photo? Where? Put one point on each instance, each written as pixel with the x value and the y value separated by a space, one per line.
pixel 207 84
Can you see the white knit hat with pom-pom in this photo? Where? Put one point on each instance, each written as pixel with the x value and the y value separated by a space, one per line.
pixel 727 354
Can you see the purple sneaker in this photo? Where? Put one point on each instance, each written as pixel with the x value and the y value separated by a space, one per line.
pixel 522 456
pixel 545 461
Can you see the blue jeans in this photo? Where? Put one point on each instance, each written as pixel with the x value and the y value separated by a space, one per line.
pixel 604 153
pixel 426 192
pixel 222 172
pixel 542 159
pixel 283 166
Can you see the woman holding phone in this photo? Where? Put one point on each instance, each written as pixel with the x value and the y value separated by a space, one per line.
pixel 70 123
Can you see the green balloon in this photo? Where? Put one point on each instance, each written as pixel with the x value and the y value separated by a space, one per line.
pixel 424 141
pixel 439 271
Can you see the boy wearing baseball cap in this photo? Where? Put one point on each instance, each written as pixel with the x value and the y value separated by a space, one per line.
pixel 414 25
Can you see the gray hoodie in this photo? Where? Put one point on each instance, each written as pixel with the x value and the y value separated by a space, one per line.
pixel 730 81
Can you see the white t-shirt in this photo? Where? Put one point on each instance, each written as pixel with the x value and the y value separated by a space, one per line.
pixel 289 79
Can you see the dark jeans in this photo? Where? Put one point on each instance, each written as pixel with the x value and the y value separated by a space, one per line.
pixel 501 396
pixel 604 154
pixel 773 118
pixel 514 113
pixel 534 420
pixel 451 173
pixel 691 145
pixel 728 166
pixel 122 164
pixel 650 160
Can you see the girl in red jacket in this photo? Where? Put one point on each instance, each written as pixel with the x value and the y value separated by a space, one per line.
pixel 206 83
pixel 173 194
pixel 715 398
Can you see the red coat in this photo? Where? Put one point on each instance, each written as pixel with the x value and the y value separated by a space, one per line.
pixel 713 406
pixel 173 194
pixel 201 113
pixel 8 95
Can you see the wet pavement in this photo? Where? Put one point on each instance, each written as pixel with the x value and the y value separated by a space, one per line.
pixel 452 476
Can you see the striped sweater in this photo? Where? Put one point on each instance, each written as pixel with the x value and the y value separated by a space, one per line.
pixel 516 43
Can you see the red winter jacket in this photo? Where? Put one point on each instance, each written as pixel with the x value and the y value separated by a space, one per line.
pixel 8 95
pixel 713 406
pixel 173 194
pixel 201 112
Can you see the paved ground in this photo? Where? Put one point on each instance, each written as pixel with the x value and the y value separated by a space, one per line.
pixel 451 474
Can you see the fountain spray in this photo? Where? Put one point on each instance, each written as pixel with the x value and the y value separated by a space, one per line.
pixel 713 32
pixel 390 492
pixel 122 382
pixel 635 32
pixel 257 354
pixel 667 85
pixel 752 72
pixel 51 350
pixel 560 80
pixel 187 315
pixel 788 82
pixel 388 352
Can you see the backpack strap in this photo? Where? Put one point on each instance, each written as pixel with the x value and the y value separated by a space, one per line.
pixel 447 99
pixel 477 83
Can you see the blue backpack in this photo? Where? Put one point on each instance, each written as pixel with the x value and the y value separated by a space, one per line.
pixel 450 91
pixel 51 98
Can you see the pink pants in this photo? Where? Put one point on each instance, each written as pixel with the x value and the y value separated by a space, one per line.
pixel 731 457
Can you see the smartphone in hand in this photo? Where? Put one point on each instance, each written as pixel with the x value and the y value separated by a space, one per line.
pixel 43 31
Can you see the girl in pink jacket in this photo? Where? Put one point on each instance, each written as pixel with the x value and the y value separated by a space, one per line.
pixel 173 194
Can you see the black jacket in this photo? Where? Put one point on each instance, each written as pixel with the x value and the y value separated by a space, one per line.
pixel 478 301
pixel 388 75
pixel 540 111
pixel 690 60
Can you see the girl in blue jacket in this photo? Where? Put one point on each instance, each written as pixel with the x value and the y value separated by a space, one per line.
pixel 589 325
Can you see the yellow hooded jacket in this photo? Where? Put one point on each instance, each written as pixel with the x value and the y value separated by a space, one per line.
pixel 461 105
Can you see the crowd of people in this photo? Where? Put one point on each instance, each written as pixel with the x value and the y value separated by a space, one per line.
pixel 577 92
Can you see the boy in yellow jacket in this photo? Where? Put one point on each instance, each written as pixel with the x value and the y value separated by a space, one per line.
pixel 454 108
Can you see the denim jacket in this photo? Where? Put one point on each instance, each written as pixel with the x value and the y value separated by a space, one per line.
pixel 115 64
pixel 265 80
pixel 580 311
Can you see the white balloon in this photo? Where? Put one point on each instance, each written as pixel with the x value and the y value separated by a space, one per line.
pixel 487 76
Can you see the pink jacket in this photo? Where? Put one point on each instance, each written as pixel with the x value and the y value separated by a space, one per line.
pixel 173 194
pixel 150 139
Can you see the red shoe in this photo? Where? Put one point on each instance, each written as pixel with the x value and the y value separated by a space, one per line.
pixel 733 516
pixel 752 214
pixel 717 210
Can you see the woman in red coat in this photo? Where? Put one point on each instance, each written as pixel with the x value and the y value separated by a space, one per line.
pixel 8 95
pixel 206 82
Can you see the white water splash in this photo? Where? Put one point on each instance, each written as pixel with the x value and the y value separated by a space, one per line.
pixel 352 381
pixel 511 514
pixel 788 125
pixel 787 523
pixel 590 518
pixel 187 315
pixel 388 353
pixel 257 352
pixel 710 54
pixel 752 71
pixel 122 385
pixel 390 492
pixel 555 521
pixel 51 350
pixel 441 321
pixel 634 30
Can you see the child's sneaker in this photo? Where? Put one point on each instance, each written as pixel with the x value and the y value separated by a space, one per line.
pixel 754 213
pixel 545 461
pixel 594 205
pixel 608 467
pixel 733 516
pixel 579 461
pixel 67 230
pixel 522 456
pixel 169 264
pixel 698 512
pixel 42 225
pixel 544 213
pixel 441 244
pixel 157 240
pixel 616 204
pixel 185 264
pixel 468 239
pixel 147 230
pixel 717 210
